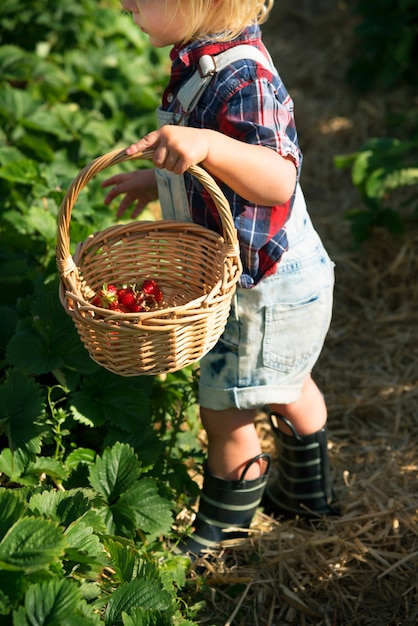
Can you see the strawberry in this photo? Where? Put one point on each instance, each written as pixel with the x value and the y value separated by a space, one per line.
pixel 128 299
pixel 105 297
pixel 119 308
pixel 152 290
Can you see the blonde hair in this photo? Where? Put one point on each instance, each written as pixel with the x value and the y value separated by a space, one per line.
pixel 224 20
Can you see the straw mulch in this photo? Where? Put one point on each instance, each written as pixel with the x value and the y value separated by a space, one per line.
pixel 361 568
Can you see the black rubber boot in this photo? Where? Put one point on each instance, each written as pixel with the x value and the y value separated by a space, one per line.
pixel 225 504
pixel 302 485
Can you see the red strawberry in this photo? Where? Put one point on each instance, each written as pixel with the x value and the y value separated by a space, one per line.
pixel 119 308
pixel 97 301
pixel 105 297
pixel 128 299
pixel 137 308
pixel 152 290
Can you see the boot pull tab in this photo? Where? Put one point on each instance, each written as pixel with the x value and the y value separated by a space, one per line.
pixel 266 457
pixel 285 421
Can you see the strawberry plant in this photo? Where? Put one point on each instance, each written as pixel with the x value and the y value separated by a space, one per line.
pixel 380 170
pixel 92 465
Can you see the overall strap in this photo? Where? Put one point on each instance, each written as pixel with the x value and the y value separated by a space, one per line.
pixel 209 65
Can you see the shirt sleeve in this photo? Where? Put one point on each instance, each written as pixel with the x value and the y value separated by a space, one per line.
pixel 261 113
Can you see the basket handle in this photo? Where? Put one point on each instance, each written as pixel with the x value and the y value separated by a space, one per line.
pixel 65 262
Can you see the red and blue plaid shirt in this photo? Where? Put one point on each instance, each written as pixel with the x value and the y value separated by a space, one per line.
pixel 248 102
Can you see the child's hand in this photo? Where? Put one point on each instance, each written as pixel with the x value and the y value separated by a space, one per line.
pixel 176 148
pixel 139 186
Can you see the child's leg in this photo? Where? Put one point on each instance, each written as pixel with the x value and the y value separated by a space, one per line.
pixel 232 442
pixel 308 414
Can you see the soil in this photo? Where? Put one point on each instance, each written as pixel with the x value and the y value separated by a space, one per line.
pixel 361 568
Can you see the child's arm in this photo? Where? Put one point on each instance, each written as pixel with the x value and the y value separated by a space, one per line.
pixel 257 173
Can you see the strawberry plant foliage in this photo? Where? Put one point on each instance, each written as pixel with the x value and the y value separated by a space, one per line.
pixel 21 412
pixel 90 463
pixel 379 169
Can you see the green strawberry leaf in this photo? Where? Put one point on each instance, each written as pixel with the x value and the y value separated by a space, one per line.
pixel 58 602
pixel 53 339
pixel 31 544
pixel 84 546
pixel 116 471
pixel 14 464
pixel 12 590
pixel 12 508
pixel 62 506
pixel 15 103
pixel 143 593
pixel 46 466
pixel 81 455
pixel 123 402
pixel 124 559
pixel 21 411
pixel 153 513
pixel 144 617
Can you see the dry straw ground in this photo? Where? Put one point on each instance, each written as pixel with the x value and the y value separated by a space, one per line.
pixel 359 569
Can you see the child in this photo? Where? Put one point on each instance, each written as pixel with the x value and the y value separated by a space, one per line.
pixel 227 109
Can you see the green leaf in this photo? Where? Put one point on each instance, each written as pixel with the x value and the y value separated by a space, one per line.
pixel 12 508
pixel 344 161
pixel 153 514
pixel 21 410
pixel 146 443
pixel 143 593
pixel 8 324
pixel 62 506
pixel 361 168
pixel 108 397
pixel 40 220
pixel 81 455
pixel 15 63
pixel 24 171
pixel 83 545
pixel 14 464
pixel 31 544
pixel 114 472
pixel 124 560
pixel 46 120
pixel 383 181
pixel 53 339
pixel 15 103
pixel 37 147
pixel 143 617
pixel 12 589
pixel 48 467
pixel 52 602
pixel 9 154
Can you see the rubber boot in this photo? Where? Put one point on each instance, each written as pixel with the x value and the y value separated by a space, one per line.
pixel 303 483
pixel 225 504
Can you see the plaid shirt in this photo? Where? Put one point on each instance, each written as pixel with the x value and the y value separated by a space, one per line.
pixel 248 102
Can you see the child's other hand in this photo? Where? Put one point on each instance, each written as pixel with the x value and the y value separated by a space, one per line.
pixel 176 148
pixel 139 187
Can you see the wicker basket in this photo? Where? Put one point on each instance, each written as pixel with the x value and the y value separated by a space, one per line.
pixel 196 269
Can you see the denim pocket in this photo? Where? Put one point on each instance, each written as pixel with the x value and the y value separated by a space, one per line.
pixel 295 332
